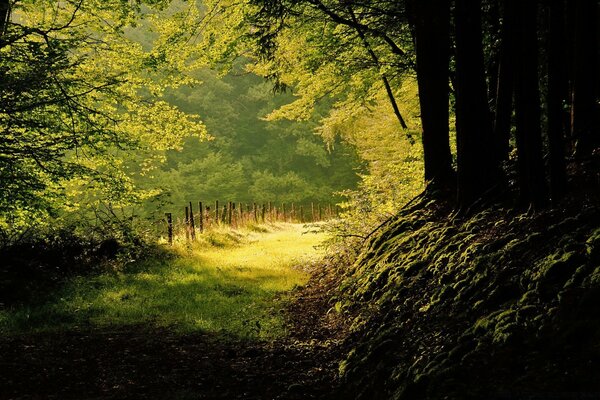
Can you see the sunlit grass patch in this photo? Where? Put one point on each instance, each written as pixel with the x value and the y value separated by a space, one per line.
pixel 231 287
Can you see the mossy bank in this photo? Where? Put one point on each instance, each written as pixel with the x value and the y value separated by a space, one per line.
pixel 497 305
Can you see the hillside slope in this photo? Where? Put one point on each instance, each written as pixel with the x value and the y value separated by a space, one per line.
pixel 499 305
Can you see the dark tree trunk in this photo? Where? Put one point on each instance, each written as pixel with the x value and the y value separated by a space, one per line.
pixel 558 88
pixel 432 38
pixel 584 119
pixel 478 170
pixel 505 84
pixel 4 15
pixel 527 108
pixel 494 32
pixel 570 50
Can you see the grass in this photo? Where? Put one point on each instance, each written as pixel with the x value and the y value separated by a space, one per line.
pixel 228 282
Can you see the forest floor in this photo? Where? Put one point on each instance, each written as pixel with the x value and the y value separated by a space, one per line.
pixel 233 319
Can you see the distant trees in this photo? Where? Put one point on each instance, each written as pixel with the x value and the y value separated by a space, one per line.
pixel 415 35
pixel 249 159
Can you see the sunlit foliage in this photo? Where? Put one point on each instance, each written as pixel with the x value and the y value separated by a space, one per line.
pixel 80 105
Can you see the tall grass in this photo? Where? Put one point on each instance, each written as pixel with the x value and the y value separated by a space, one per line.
pixel 227 282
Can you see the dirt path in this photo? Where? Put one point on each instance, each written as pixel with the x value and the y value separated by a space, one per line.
pixel 137 363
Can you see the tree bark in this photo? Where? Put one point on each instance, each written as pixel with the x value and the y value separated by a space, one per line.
pixel 558 87
pixel 584 119
pixel 532 185
pixel 493 65
pixel 432 39
pixel 505 84
pixel 478 169
pixel 4 16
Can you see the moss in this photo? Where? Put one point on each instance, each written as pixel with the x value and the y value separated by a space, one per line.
pixel 483 325
pixel 594 279
pixel 505 333
pixel 528 312
pixel 492 279
pixel 528 297
pixel 592 245
pixel 414 267
pixel 555 271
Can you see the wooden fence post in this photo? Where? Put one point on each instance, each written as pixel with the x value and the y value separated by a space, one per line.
pixel 217 211
pixel 192 225
pixel 201 217
pixel 187 223
pixel 230 206
pixel 170 227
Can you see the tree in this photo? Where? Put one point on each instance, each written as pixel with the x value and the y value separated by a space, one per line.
pixel 319 47
pixel 477 161
pixel 584 112
pixel 4 15
pixel 431 21
pixel 556 97
pixel 532 184
pixel 505 84
pixel 78 104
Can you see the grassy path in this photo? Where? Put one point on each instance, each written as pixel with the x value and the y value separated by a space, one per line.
pixel 228 283
pixel 189 327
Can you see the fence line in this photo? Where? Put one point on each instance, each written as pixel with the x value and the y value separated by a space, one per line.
pixel 239 214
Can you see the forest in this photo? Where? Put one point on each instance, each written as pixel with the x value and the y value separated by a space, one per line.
pixel 299 199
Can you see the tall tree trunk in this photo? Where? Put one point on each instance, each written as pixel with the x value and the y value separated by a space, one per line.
pixel 527 108
pixel 505 85
pixel 493 64
pixel 4 15
pixel 478 169
pixel 432 38
pixel 558 87
pixel 584 119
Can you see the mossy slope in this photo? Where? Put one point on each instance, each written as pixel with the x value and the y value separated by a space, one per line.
pixel 498 304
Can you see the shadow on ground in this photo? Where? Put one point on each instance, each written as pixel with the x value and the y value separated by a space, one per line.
pixel 135 362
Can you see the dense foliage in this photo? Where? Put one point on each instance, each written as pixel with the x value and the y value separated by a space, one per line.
pixel 79 104
pixel 100 106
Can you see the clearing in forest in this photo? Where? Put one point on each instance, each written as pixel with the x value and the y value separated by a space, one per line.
pixel 227 282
